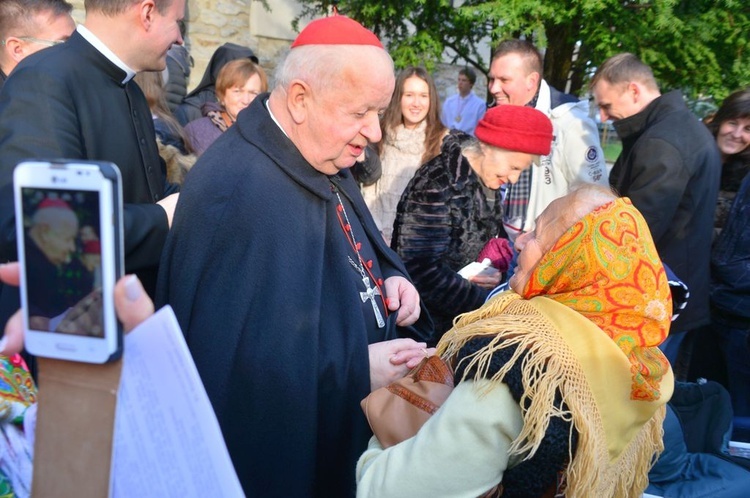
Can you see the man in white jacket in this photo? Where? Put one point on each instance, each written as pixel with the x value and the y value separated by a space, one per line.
pixel 516 78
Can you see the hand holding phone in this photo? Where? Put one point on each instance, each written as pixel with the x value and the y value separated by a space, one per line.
pixel 69 232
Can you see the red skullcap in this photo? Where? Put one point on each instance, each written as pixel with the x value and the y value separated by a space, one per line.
pixel 516 128
pixel 92 247
pixel 336 30
pixel 53 203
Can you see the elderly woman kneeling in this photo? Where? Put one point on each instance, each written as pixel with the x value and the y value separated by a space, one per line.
pixel 560 386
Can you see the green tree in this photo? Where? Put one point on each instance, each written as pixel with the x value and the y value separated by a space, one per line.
pixel 699 46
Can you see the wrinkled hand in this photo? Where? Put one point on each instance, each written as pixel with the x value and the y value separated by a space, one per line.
pixel 391 360
pixel 489 278
pixel 86 317
pixel 404 298
pixel 169 204
pixel 131 303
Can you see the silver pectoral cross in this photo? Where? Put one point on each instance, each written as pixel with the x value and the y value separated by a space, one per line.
pixel 370 294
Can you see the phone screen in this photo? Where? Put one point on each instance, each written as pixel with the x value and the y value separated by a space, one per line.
pixel 63 261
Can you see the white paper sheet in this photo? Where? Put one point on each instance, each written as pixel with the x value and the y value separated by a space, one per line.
pixel 167 439
pixel 476 268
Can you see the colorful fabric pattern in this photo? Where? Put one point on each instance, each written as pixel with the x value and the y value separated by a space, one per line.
pixel 17 388
pixel 6 490
pixel 590 269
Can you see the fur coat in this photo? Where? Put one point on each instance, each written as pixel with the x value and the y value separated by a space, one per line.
pixel 443 221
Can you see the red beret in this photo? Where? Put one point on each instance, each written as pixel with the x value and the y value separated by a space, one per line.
pixel 516 128
pixel 53 203
pixel 336 30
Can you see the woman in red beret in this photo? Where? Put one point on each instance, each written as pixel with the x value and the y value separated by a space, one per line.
pixel 452 208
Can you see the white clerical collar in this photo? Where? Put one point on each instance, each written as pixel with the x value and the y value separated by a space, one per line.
pixel 268 106
pixel 106 52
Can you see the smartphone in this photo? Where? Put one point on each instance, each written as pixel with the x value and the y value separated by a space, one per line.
pixel 70 246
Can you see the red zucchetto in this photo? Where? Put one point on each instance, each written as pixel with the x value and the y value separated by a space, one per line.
pixel 53 203
pixel 336 30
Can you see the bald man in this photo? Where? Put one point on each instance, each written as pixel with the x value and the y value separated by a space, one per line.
pixel 56 280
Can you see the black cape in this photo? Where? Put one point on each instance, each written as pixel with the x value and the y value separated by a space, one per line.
pixel 256 270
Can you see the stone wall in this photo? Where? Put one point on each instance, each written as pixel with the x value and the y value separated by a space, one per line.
pixel 211 23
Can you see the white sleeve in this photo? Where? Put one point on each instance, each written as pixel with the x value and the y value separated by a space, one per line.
pixel 583 155
pixel 444 114
pixel 462 450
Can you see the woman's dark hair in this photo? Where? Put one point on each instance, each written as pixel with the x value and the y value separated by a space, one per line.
pixel 393 117
pixel 736 106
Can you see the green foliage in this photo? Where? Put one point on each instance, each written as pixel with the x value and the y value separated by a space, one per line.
pixel 612 150
pixel 699 46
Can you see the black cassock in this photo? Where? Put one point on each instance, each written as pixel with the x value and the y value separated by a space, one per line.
pixel 69 102
pixel 257 270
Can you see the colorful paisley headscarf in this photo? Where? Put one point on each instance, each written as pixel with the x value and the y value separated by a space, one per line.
pixel 606 267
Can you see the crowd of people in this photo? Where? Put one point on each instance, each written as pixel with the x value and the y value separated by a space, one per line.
pixel 310 241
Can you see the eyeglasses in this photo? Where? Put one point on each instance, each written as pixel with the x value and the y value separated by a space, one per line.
pixel 49 43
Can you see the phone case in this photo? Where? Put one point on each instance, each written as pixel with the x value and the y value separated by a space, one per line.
pixel 110 173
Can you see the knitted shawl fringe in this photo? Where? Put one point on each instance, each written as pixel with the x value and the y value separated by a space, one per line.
pixel 550 366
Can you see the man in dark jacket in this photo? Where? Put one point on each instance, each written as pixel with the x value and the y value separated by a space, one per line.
pixel 77 100
pixel 670 168
pixel 730 298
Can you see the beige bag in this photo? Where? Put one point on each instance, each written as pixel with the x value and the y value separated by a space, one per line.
pixel 396 412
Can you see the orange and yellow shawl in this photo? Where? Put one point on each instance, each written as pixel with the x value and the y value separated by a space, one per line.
pixel 606 268
pixel 586 328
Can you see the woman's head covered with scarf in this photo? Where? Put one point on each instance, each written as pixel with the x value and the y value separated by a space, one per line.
pixel 593 252
pixel 591 302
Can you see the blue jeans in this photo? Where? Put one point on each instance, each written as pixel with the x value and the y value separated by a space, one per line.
pixel 734 344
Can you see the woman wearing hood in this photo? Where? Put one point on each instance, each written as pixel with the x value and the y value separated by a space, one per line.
pixel 192 104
